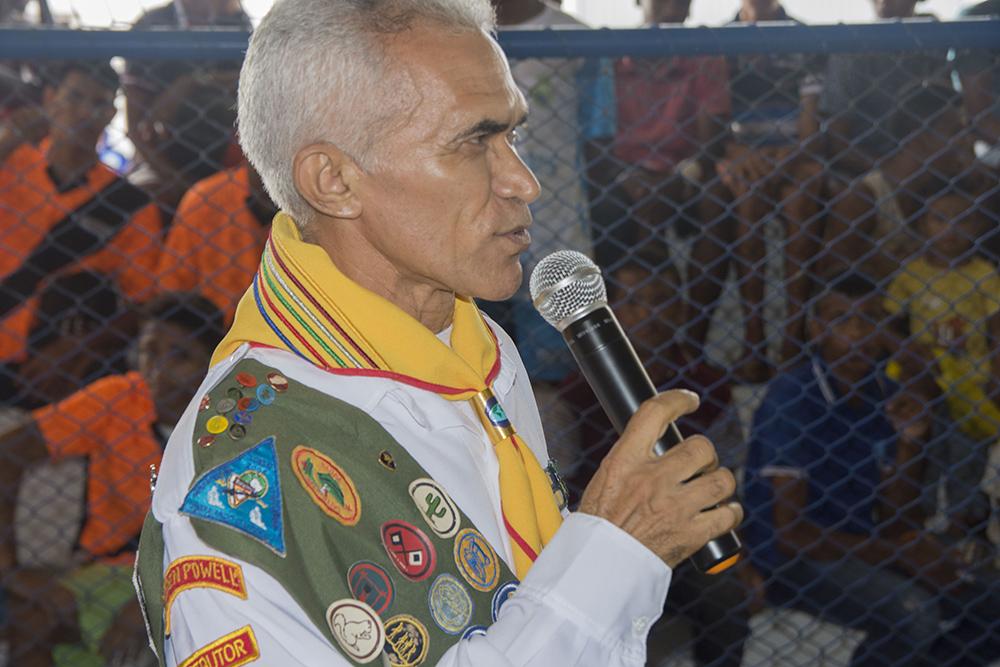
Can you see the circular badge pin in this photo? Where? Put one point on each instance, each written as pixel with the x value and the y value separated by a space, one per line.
pixel 357 629
pixel 328 485
pixel 253 405
pixel 206 403
pixel 406 642
pixel 474 631
pixel 217 424
pixel 206 440
pixel 437 509
pixel 476 560
pixel 243 403
pixel 237 431
pixel 450 604
pixel 500 597
pixel 225 406
pixel 410 550
pixel 234 393
pixel 265 394
pixel 278 382
pixel 386 460
pixel 242 417
pixel 371 584
pixel 246 379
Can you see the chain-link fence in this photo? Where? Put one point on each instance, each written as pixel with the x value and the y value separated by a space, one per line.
pixel 800 223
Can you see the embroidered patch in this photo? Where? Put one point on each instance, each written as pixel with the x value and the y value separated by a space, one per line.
pixel 371 584
pixel 474 631
pixel 244 494
pixel 406 641
pixel 500 598
pixel 200 572
pixel 266 394
pixel 327 484
pixel 476 560
pixel 558 485
pixel 357 628
pixel 411 551
pixel 235 649
pixel 385 458
pixel 450 604
pixel 436 507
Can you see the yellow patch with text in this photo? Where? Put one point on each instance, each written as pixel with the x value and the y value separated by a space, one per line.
pixel 235 649
pixel 200 572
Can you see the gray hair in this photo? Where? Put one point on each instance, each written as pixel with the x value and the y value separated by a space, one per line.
pixel 316 71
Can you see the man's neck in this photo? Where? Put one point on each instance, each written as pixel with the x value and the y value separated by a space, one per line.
pixel 751 15
pixel 69 160
pixel 515 13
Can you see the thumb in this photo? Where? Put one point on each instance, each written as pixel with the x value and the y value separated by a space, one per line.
pixel 650 422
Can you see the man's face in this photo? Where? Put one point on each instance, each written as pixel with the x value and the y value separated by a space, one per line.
pixel 446 201
pixel 647 309
pixel 665 11
pixel 79 109
pixel 894 9
pixel 845 329
pixel 173 363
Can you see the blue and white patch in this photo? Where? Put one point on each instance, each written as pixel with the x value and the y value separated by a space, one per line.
pixel 244 494
pixel 450 604
pixel 501 596
pixel 474 631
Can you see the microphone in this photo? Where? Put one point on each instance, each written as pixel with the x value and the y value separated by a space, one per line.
pixel 568 291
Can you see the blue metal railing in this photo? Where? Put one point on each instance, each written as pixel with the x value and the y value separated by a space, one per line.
pixel 220 44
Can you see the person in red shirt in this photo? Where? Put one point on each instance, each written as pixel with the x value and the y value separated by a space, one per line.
pixel 119 424
pixel 217 237
pixel 63 211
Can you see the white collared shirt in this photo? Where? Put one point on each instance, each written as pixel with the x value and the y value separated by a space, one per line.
pixel 567 611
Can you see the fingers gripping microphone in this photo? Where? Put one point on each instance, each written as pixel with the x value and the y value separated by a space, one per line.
pixel 569 292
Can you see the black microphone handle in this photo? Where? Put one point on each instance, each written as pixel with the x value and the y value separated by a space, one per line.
pixel 613 370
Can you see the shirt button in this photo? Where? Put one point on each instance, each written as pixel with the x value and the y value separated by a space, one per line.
pixel 639 626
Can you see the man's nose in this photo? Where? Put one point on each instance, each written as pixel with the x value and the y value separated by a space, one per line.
pixel 512 179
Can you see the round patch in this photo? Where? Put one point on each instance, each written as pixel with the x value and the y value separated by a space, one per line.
pixel 435 507
pixel 501 596
pixel 385 458
pixel 357 628
pixel 237 431
pixel 476 560
pixel 242 417
pixel 234 393
pixel 206 402
pixel 265 394
pixel 217 424
pixel 410 550
pixel 225 405
pixel 246 379
pixel 474 631
pixel 206 440
pixel 327 484
pixel 450 604
pixel 278 382
pixel 370 583
pixel 406 641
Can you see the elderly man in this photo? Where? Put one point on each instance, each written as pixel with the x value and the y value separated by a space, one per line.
pixel 345 486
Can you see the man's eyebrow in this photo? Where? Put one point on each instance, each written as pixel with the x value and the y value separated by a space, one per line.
pixel 489 127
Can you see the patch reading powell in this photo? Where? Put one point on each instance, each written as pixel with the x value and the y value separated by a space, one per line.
pixel 243 494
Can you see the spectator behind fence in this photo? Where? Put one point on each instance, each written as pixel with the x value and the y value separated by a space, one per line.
pixel 215 241
pixel 943 302
pixel 771 166
pixel 873 218
pixel 862 91
pixel 671 130
pixel 561 94
pixel 646 297
pixel 79 334
pixel 61 210
pixel 181 113
pixel 832 490
pixel 120 424
pixel 980 79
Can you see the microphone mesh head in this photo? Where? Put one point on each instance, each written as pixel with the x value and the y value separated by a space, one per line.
pixel 566 283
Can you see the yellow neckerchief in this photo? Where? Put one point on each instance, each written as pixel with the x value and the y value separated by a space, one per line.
pixel 301 302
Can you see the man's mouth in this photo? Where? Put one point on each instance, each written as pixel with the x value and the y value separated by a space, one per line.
pixel 518 235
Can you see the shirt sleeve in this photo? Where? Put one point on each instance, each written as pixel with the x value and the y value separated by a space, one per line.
pixel 73 426
pixel 175 270
pixel 135 253
pixel 712 86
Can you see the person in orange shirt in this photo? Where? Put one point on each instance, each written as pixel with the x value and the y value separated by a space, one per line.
pixel 216 239
pixel 119 424
pixel 61 210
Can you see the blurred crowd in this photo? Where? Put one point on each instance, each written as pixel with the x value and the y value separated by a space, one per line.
pixel 809 241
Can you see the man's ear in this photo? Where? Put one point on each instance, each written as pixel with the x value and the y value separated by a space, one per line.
pixel 326 177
